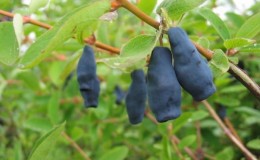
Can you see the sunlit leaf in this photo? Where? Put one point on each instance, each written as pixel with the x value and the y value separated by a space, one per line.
pixel 182 120
pixel 9 46
pixel 204 42
pixel 139 46
pixel 36 4
pixel 254 144
pixel 219 63
pixel 187 141
pixel 147 6
pixel 117 153
pixel 45 144
pixel 250 28
pixel 226 153
pixel 255 48
pixel 236 19
pixel 18 27
pixel 176 8
pixel 133 53
pixel 237 42
pixel 216 22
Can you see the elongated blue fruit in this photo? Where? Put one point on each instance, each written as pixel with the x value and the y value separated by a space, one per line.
pixel 120 95
pixel 191 70
pixel 164 90
pixel 136 97
pixel 221 110
pixel 87 78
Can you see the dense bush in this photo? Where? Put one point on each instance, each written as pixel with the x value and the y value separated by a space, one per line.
pixel 40 96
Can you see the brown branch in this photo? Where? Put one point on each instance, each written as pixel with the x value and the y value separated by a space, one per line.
pixel 245 80
pixel 76 146
pixel 187 149
pixel 231 128
pixel 175 147
pixel 140 14
pixel 236 142
pixel 47 26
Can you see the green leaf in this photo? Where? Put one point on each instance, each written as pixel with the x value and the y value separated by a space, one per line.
pixel 36 4
pixel 182 120
pixel 227 154
pixel 30 79
pixel 147 6
pixel 204 42
pixel 248 110
pixel 141 46
pixel 53 108
pixel 216 22
pixel 250 28
pixel 3 84
pixel 54 72
pixel 255 48
pixel 228 101
pixel 236 19
pixel 9 47
pixel 234 89
pixel 70 25
pixel 117 153
pixel 254 144
pixel 70 66
pixel 237 42
pixel 176 8
pixel 187 141
pixel 199 115
pixel 18 27
pixel 234 60
pixel 219 63
pixel 38 124
pixel 133 53
pixel 124 63
pixel 167 149
pixel 45 144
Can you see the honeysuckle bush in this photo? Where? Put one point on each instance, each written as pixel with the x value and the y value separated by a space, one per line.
pixel 40 98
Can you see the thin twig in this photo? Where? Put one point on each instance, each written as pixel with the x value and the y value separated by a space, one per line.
pixel 76 146
pixel 175 147
pixel 231 128
pixel 187 149
pixel 212 112
pixel 245 80
pixel 47 26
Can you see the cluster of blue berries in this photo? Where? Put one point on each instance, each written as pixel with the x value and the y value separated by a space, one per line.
pixel 168 71
pixel 165 78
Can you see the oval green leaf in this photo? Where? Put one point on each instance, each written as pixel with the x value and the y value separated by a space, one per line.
pixel 216 22
pixel 237 42
pixel 9 47
pixel 254 144
pixel 219 63
pixel 176 8
pixel 250 28
pixel 44 145
pixel 36 4
pixel 117 153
